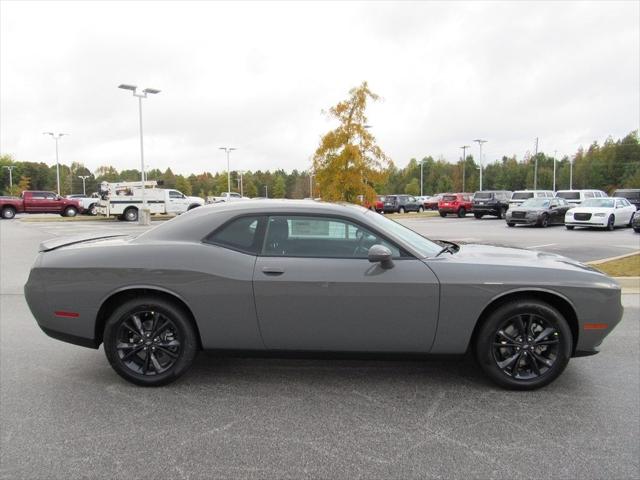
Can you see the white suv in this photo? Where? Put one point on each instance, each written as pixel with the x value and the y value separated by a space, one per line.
pixel 576 197
pixel 520 196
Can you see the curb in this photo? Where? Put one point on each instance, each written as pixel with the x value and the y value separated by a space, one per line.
pixel 632 283
pixel 611 259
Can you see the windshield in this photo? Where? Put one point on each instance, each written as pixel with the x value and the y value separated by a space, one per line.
pixel 536 202
pixel 598 202
pixel 569 195
pixel 423 245
pixel 482 195
pixel 522 195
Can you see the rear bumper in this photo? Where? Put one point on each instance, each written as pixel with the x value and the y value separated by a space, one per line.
pixel 486 209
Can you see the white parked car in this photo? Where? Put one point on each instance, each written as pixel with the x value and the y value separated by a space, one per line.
pixel 601 212
pixel 226 197
pixel 576 197
pixel 519 196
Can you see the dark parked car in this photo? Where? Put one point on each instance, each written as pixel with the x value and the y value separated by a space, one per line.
pixel 457 203
pixel 401 204
pixel 631 194
pixel 495 202
pixel 635 223
pixel 541 212
pixel 278 275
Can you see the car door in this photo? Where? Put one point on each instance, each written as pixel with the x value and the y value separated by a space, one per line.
pixel 177 202
pixel 316 290
pixel 623 212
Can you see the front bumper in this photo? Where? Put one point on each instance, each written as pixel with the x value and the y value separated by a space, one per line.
pixel 592 222
pixel 523 221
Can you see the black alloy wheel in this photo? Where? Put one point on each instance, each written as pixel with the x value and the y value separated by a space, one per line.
pixel 544 220
pixel 511 224
pixel 149 341
pixel 462 212
pixel 611 223
pixel 524 345
pixel 478 215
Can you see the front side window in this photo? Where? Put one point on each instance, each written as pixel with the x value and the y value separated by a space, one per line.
pixel 175 194
pixel 319 237
pixel 239 234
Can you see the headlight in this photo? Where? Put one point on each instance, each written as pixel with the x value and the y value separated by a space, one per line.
pixel 599 214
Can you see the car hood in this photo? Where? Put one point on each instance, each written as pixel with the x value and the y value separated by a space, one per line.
pixel 515 257
pixel 590 210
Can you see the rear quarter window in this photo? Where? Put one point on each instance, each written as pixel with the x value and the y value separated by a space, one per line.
pixel 239 234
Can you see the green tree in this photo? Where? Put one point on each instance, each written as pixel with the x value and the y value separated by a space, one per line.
pixel 279 187
pixel 183 185
pixel 348 162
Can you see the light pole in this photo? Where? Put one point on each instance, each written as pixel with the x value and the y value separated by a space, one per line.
pixel 84 177
pixel 555 154
pixel 56 137
pixel 570 174
pixel 241 172
pixel 480 142
pixel 421 177
pixel 311 175
pixel 464 164
pixel 535 168
pixel 144 219
pixel 10 168
pixel 228 149
pixel 266 191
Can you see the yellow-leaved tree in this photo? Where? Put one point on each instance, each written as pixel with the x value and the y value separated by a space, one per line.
pixel 348 163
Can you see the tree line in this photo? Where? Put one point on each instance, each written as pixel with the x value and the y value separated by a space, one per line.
pixel 614 164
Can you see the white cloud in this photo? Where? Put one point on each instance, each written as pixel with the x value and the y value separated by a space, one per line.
pixel 257 75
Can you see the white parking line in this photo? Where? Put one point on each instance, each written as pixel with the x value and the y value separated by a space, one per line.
pixel 540 246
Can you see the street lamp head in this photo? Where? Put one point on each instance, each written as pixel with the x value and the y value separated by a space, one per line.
pixel 48 133
pixel 151 90
pixel 479 140
pixel 124 86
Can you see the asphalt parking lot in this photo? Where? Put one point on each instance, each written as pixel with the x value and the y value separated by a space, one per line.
pixel 65 414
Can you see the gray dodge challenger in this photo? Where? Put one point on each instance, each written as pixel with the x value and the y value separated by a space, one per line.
pixel 306 276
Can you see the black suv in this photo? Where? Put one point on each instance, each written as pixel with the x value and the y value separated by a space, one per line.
pixel 491 202
pixel 631 194
pixel 401 204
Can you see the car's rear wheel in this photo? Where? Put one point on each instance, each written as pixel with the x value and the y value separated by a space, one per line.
pixel 501 213
pixel 524 344
pixel 569 227
pixel 70 212
pixel 511 224
pixel 462 213
pixel 611 223
pixel 8 213
pixel 130 214
pixel 150 341
pixel 442 214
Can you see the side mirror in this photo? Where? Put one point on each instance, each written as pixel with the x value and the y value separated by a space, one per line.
pixel 382 255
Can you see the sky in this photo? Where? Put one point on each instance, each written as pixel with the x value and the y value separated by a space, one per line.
pixel 258 76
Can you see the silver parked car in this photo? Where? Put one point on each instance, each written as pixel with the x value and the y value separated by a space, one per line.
pixel 275 275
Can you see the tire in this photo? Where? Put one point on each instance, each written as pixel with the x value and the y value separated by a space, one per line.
pixel 421 209
pixel 544 221
pixel 442 214
pixel 173 349
pixel 130 214
pixel 478 215
pixel 92 210
pixel 636 229
pixel 524 363
pixel 70 212
pixel 501 213
pixel 8 213
pixel 462 213
pixel 569 227
pixel 401 210
pixel 511 224
pixel 611 223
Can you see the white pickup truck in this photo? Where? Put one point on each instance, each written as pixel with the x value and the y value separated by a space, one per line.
pixel 226 197
pixel 89 204
pixel 124 199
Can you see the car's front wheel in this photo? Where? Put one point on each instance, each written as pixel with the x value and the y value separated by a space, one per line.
pixel 569 227
pixel 401 210
pixel 70 212
pixel 611 223
pixel 150 341
pixel 524 344
pixel 511 224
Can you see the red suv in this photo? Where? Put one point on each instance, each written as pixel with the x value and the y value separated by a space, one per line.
pixel 458 203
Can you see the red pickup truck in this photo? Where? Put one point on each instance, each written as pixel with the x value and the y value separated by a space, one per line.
pixel 39 202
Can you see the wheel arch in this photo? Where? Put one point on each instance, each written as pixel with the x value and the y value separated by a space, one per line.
pixel 111 302
pixel 555 299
